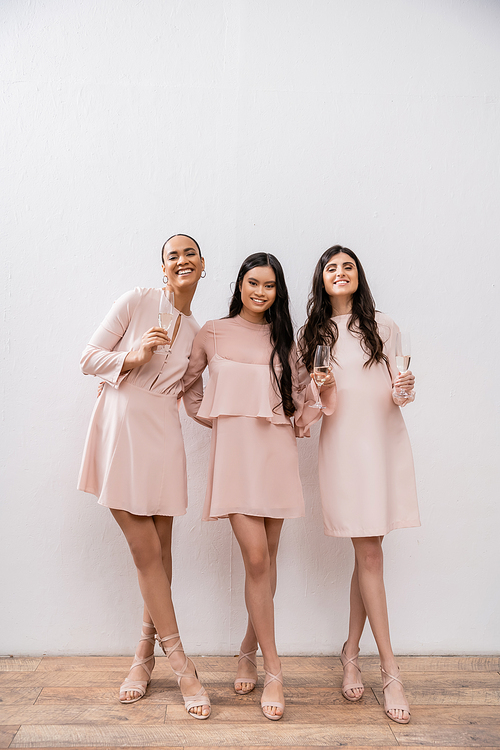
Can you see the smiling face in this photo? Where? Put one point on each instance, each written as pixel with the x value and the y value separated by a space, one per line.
pixel 182 263
pixel 340 278
pixel 258 291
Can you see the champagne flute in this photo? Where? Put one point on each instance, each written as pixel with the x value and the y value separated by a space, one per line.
pixel 321 370
pixel 166 316
pixel 403 356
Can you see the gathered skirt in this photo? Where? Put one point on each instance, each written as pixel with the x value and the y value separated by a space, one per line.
pixel 254 470
pixel 134 457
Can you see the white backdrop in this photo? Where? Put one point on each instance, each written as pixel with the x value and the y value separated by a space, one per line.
pixel 276 125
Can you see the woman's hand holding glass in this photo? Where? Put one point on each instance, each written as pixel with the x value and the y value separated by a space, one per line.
pixel 322 372
pixel 327 380
pixel 404 383
pixel 403 391
pixel 150 340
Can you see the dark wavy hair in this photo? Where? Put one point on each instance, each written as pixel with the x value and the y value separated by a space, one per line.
pixel 319 328
pixel 278 316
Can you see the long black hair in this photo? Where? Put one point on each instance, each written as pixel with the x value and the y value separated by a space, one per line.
pixel 319 328
pixel 281 328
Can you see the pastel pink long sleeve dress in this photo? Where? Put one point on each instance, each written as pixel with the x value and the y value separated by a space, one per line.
pixel 366 474
pixel 253 461
pixel 134 457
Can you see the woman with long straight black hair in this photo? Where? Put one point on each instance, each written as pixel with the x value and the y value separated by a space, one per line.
pixel 366 474
pixel 254 476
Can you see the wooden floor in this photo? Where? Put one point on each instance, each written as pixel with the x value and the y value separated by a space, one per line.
pixel 72 702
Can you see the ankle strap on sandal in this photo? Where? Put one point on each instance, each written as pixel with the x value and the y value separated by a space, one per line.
pixel 168 651
pixel 392 678
pixel 270 677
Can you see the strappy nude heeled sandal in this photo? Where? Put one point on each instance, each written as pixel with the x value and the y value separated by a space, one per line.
pixel 268 679
pixel 139 686
pixel 190 701
pixel 386 681
pixel 250 680
pixel 354 661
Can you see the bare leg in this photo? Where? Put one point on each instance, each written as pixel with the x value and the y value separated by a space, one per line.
pixel 370 567
pixel 357 619
pixel 144 536
pixel 249 642
pixel 164 530
pixel 144 649
pixel 252 535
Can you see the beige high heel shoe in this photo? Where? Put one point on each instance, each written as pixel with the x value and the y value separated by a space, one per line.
pixel 139 686
pixel 191 701
pixel 250 680
pixel 269 678
pixel 404 706
pixel 354 661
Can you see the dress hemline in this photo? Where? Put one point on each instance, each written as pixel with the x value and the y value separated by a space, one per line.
pixel 253 515
pixel 142 515
pixel 378 532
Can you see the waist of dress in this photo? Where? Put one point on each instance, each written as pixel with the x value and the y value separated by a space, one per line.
pixel 125 384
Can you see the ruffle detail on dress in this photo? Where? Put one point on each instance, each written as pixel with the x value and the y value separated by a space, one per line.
pixel 240 389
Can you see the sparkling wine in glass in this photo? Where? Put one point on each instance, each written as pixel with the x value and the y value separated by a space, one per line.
pixel 166 315
pixel 321 370
pixel 403 356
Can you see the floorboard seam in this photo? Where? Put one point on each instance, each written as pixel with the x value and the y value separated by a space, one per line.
pixel 395 736
pixel 14 737
pixel 37 697
pixel 36 668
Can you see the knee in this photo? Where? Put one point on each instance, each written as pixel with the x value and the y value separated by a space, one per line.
pixel 257 564
pixel 370 557
pixel 146 555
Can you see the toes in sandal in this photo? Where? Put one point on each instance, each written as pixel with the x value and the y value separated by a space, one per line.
pixel 190 701
pixel 250 656
pixel 403 706
pixel 136 686
pixel 268 679
pixel 354 661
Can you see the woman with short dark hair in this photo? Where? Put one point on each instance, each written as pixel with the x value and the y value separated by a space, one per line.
pixel 134 458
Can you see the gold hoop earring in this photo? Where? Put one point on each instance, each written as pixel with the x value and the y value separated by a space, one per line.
pixel 165 279
pixel 203 274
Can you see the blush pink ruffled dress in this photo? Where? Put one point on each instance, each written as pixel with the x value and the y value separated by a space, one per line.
pixel 134 457
pixel 366 474
pixel 253 461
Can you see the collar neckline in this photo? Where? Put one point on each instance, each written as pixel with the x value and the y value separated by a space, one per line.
pixel 248 324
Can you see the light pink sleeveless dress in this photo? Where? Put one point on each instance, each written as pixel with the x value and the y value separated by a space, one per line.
pixel 134 456
pixel 253 460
